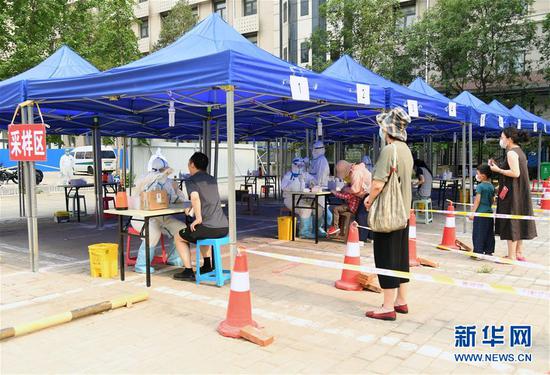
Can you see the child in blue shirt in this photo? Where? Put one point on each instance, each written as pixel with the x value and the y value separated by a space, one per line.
pixel 483 235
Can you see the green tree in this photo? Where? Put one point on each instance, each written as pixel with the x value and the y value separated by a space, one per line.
pixel 479 42
pixel 28 33
pixel 544 48
pixel 98 30
pixel 368 30
pixel 115 43
pixel 180 20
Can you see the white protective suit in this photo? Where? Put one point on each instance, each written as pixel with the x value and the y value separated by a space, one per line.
pixel 319 167
pixel 293 181
pixel 320 171
pixel 157 178
pixel 66 167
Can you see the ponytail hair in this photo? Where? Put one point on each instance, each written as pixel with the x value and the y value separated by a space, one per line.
pixel 516 135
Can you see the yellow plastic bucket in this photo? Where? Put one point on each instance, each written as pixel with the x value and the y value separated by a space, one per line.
pixel 464 199
pixel 103 260
pixel 285 227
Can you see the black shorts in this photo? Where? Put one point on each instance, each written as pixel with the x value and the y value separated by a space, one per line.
pixel 201 232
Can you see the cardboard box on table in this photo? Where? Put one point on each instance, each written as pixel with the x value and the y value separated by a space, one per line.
pixel 154 200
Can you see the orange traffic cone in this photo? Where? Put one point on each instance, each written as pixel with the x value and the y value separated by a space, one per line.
pixel 413 260
pixel 449 232
pixel 239 308
pixel 349 281
pixel 545 201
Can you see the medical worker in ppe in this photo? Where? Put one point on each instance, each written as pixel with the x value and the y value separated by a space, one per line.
pixel 320 171
pixel 156 179
pixel 66 167
pixel 297 179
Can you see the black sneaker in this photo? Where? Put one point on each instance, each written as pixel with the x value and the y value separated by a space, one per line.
pixel 206 269
pixel 186 275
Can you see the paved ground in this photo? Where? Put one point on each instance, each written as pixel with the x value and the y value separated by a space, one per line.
pixel 317 328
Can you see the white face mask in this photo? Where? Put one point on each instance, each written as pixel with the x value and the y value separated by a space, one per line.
pixel 502 143
pixel 381 134
pixel 478 179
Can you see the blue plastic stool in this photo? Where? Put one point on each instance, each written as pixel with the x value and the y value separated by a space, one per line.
pixel 218 274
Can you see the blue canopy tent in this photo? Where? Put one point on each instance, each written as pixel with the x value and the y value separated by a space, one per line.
pixel 536 123
pixel 211 74
pixel 430 115
pixel 63 63
pixel 192 73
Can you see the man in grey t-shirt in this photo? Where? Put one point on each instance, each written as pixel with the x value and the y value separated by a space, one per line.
pixel 210 220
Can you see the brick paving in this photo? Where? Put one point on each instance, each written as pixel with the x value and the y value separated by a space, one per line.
pixel 317 328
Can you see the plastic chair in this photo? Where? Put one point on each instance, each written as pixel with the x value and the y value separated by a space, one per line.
pixel 106 201
pixel 420 205
pixel 267 189
pixel 130 261
pixel 218 274
pixel 75 197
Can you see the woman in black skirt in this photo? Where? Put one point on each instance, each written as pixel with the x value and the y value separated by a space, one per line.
pixel 514 197
pixel 391 250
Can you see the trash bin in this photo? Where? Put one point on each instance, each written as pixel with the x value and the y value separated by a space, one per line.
pixel 285 227
pixel 103 260
pixel 544 170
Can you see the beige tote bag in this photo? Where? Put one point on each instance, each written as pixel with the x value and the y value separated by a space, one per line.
pixel 388 213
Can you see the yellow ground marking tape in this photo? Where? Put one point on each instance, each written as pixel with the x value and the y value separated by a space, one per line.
pixel 490 257
pixel 483 214
pixel 438 279
pixel 493 206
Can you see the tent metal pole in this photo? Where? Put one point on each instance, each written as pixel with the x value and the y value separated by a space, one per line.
pixel 307 144
pixel 539 155
pixel 96 143
pixel 21 186
pixel 124 157
pixel 455 161
pixel 208 143
pixel 230 113
pixel 131 165
pixel 27 117
pixel 464 170
pixel 471 159
pixel 268 171
pixel 216 149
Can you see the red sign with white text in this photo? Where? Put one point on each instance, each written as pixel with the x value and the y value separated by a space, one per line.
pixel 27 142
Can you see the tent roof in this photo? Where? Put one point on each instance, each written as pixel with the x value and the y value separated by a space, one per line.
pixel 495 118
pixel 428 106
pixel 422 86
pixel 540 122
pixel 193 72
pixel 521 121
pixel 62 63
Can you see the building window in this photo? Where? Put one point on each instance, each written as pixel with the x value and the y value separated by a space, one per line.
pixel 195 11
pixel 250 7
pixel 285 11
pixel 252 37
pixel 285 54
pixel 163 15
pixel 409 15
pixel 144 28
pixel 304 52
pixel 221 8
pixel 142 1
pixel 304 7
